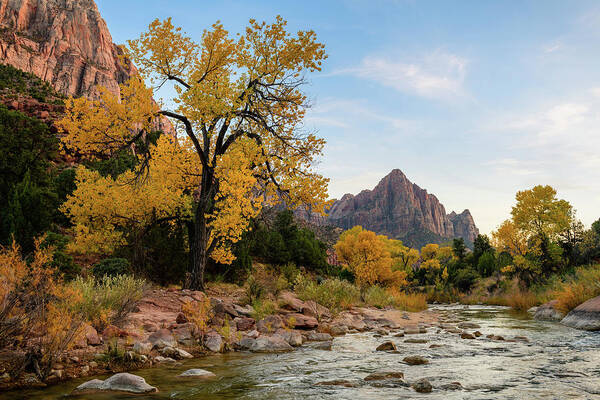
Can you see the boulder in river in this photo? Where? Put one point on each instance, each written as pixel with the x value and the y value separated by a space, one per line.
pixel 266 344
pixel 197 373
pixel 378 376
pixel 466 335
pixel 415 360
pixel 386 346
pixel 586 316
pixel 422 386
pixel 338 382
pixel 549 312
pixel 122 382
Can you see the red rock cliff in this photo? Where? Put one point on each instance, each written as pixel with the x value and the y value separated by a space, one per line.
pixel 65 42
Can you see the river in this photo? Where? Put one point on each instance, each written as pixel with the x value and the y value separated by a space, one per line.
pixel 557 363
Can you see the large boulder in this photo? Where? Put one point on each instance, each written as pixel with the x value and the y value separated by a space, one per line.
pixel 266 344
pixel 294 339
pixel 301 321
pixel 214 342
pixel 162 338
pixel 244 323
pixel 548 312
pixel 122 382
pixel 586 316
pixel 289 301
pixel 269 324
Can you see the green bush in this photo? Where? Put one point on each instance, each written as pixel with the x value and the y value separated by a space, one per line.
pixel 262 308
pixel 465 279
pixel 61 261
pixel 111 267
pixel 109 298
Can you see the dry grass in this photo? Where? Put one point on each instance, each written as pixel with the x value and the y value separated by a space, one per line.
pixel 408 301
pixel 582 287
pixel 521 300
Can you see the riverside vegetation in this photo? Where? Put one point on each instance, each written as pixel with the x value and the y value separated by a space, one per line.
pixel 125 247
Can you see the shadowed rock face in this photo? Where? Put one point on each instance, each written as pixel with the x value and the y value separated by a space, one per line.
pixel 400 209
pixel 65 42
pixel 586 316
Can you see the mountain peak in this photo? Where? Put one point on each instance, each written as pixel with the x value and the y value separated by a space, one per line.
pixel 401 209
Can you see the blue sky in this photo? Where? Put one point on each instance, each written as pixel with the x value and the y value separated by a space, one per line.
pixel 473 100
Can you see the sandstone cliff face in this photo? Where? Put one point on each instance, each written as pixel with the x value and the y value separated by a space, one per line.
pixel 64 42
pixel 400 209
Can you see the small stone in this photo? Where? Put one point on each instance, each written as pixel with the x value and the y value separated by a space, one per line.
pixel 318 337
pixel 93 364
pixel 386 346
pixel 161 359
pixel 338 382
pixel 477 334
pixel 415 341
pixel 197 373
pixel 411 330
pixel 415 360
pixel 377 376
pixel 468 325
pixel 466 335
pixel 422 386
pixel 400 334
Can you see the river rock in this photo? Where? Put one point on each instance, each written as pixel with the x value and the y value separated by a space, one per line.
pixel 166 360
pixel 121 382
pixel 91 335
pixel 377 376
pixel 142 347
pixel 549 312
pixel 162 338
pixel 338 329
pixel 412 330
pixel 467 335
pixel 325 345
pixel 289 301
pixel 422 386
pixel 245 311
pixel 177 354
pixel 338 382
pixel 415 360
pixel 197 373
pixel 468 325
pixel 301 321
pixel 318 337
pixel 294 339
pixel 415 341
pixel 268 344
pixel 386 346
pixel 269 324
pixel 214 342
pixel 586 316
pixel 244 323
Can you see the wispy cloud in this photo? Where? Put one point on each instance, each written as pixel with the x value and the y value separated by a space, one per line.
pixel 438 75
pixel 552 47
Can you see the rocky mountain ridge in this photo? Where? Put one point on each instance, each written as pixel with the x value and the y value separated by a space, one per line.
pixel 401 209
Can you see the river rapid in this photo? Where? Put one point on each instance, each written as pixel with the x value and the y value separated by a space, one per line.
pixel 556 363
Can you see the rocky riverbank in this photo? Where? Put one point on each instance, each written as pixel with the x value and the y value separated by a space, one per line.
pixel 158 332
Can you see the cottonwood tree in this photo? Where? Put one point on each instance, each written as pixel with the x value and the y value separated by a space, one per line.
pixel 239 107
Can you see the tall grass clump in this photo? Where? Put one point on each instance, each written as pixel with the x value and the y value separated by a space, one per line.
pixel 584 285
pixel 377 296
pixel 109 298
pixel 521 300
pixel 412 302
pixel 334 293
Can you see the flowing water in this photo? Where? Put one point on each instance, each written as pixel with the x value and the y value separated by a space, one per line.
pixel 556 363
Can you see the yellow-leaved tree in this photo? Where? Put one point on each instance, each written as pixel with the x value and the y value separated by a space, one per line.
pixel 238 112
pixel 368 257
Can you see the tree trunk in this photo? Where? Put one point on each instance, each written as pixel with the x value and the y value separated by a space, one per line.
pixel 200 234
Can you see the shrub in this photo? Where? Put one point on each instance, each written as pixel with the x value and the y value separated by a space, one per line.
pixel 378 297
pixel 199 314
pixel 37 312
pixel 334 294
pixel 465 279
pixel 262 308
pixel 584 285
pixel 109 298
pixel 254 290
pixel 111 267
pixel 61 261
